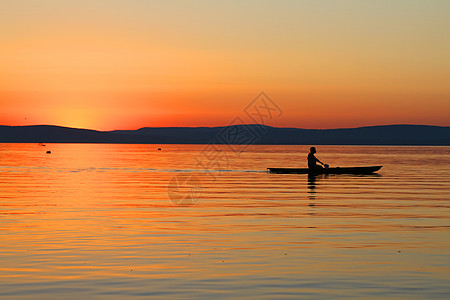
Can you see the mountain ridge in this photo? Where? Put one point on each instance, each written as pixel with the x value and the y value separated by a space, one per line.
pixel 397 134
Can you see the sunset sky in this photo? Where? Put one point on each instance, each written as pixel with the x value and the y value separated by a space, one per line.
pixel 126 64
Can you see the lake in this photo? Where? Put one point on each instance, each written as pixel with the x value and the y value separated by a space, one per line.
pixel 109 221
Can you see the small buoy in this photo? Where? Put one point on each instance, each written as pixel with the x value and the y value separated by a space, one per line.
pixel 48 152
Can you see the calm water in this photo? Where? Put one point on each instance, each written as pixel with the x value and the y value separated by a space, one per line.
pixel 96 221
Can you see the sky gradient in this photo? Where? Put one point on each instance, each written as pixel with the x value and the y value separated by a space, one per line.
pixel 128 64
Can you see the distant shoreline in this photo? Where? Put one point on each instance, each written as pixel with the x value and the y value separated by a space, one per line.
pixel 385 135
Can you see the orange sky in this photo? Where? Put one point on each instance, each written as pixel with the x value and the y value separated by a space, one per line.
pixel 129 64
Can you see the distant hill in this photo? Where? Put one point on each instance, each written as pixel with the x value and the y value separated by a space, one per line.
pixel 237 134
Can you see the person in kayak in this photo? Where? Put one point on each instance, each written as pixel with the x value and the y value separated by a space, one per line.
pixel 312 160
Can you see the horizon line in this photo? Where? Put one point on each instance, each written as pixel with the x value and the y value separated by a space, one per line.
pixel 221 126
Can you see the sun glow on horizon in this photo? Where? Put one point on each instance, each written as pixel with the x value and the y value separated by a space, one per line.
pixel 136 64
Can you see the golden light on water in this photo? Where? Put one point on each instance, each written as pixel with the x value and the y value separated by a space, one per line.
pixel 89 216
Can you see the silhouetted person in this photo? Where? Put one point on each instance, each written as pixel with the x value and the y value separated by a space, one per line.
pixel 312 160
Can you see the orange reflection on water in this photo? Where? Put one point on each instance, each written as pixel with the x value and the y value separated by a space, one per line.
pixel 97 218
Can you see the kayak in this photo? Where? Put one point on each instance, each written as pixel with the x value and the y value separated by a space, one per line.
pixel 337 170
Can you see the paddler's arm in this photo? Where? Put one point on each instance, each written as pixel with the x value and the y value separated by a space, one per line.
pixel 319 161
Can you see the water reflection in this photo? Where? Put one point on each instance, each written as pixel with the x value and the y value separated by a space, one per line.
pixel 312 186
pixel 96 220
pixel 313 182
